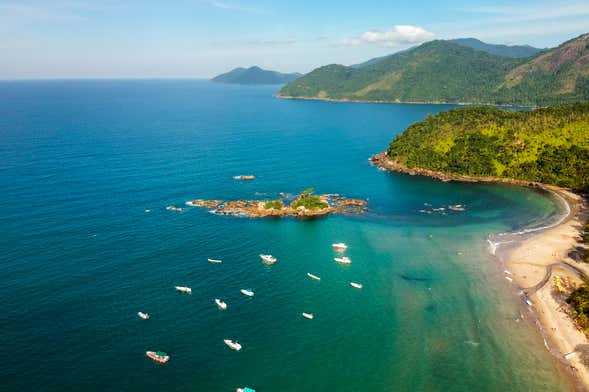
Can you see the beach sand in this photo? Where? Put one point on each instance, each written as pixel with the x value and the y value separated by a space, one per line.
pixel 529 265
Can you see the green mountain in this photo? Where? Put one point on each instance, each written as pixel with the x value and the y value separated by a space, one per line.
pixel 515 51
pixel 255 75
pixel 548 145
pixel 443 71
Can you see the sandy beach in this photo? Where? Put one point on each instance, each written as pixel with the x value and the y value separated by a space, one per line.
pixel 533 259
pixel 534 264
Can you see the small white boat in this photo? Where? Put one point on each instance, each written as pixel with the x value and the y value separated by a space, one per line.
pixel 308 316
pixel 268 259
pixel 356 285
pixel 343 260
pixel 232 344
pixel 245 389
pixel 222 305
pixel 457 207
pixel 310 275
pixel 215 261
pixel 339 246
pixel 509 279
pixel 144 316
pixel 248 292
pixel 174 208
pixel 184 289
pixel 158 356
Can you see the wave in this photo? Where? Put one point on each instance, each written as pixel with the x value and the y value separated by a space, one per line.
pixel 493 245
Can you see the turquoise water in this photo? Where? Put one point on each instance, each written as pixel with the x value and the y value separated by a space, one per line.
pixel 82 161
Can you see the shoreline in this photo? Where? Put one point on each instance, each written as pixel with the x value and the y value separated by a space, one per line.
pixel 277 95
pixel 533 259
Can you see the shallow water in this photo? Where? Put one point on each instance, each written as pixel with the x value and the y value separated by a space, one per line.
pixel 84 160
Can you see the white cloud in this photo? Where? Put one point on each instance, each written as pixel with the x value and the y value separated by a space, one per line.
pixel 398 36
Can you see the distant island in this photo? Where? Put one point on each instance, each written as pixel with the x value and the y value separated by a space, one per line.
pixel 548 145
pixel 458 71
pixel 305 205
pixel 255 75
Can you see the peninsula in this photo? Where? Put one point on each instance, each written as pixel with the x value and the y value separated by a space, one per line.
pixel 304 205
pixel 546 148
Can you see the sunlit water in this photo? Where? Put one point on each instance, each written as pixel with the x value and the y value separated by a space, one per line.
pixel 81 163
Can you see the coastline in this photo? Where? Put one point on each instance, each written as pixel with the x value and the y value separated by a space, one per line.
pixel 397 101
pixel 533 260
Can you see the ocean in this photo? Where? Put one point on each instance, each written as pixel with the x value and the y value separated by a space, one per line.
pixel 87 170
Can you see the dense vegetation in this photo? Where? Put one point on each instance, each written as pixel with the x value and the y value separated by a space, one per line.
pixel 444 71
pixel 548 145
pixel 515 51
pixel 579 301
pixel 255 75
pixel 274 204
pixel 309 201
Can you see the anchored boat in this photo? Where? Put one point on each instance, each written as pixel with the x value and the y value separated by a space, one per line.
pixel 222 305
pixel 308 316
pixel 184 289
pixel 356 285
pixel 343 260
pixel 268 259
pixel 248 292
pixel 339 246
pixel 158 356
pixel 310 275
pixel 215 261
pixel 232 344
pixel 144 316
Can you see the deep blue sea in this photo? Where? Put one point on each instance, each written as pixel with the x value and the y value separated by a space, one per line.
pixel 86 170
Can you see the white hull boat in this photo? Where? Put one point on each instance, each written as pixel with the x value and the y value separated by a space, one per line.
pixel 343 260
pixel 184 289
pixel 215 261
pixel 356 285
pixel 144 316
pixel 248 292
pixel 339 246
pixel 308 316
pixel 158 356
pixel 268 259
pixel 232 344
pixel 310 275
pixel 222 305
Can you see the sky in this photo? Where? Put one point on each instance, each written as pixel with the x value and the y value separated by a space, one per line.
pixel 201 38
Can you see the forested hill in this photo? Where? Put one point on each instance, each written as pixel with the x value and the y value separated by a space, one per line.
pixel 255 75
pixel 548 145
pixel 444 71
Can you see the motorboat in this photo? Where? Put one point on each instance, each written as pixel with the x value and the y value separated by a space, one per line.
pixel 340 246
pixel 310 275
pixel 158 356
pixel 232 344
pixel 268 259
pixel 308 316
pixel 343 260
pixel 222 305
pixel 356 285
pixel 248 292
pixel 144 316
pixel 184 289
pixel 215 261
